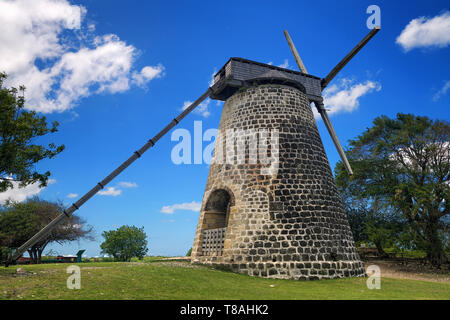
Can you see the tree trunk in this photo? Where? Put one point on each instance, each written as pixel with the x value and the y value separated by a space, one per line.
pixel 435 251
pixel 39 255
pixel 380 250
pixel 33 255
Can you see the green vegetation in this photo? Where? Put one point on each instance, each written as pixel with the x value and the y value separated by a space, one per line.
pixel 412 254
pixel 180 280
pixel 399 194
pixel 20 221
pixel 125 243
pixel 18 130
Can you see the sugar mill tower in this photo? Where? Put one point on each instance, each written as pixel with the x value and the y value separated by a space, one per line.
pixel 283 218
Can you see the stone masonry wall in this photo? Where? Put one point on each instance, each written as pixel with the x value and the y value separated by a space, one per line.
pixel 289 224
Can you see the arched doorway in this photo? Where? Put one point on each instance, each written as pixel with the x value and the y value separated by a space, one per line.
pixel 215 222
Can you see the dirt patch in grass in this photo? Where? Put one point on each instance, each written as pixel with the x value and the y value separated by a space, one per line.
pixel 413 269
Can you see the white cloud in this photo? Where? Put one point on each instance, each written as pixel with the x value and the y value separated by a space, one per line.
pixel 126 184
pixel 72 195
pixel 21 194
pixel 110 191
pixel 201 109
pixel 442 91
pixel 426 32
pixel 191 206
pixel 146 74
pixel 344 97
pixel 115 191
pixel 211 81
pixel 285 64
pixel 60 60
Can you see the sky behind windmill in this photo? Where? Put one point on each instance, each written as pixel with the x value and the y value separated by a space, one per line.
pixel 114 73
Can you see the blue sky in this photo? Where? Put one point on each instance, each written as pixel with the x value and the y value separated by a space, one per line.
pixel 114 73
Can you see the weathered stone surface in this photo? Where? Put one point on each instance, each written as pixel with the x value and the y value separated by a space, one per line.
pixel 290 224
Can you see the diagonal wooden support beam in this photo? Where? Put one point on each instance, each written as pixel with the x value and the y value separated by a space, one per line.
pixel 319 104
pixel 323 112
pixel 75 206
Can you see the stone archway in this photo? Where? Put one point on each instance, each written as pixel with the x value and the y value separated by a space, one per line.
pixel 216 214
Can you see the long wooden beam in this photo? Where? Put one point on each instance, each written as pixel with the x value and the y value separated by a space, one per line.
pixel 321 109
pixel 299 61
pixel 326 120
pixel 348 57
pixel 76 205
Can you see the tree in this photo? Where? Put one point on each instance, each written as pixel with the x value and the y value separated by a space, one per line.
pixel 124 243
pixel 384 227
pixel 18 128
pixel 406 163
pixel 20 221
pixel 373 221
pixel 357 214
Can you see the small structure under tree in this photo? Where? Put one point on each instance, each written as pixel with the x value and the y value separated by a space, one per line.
pixel 20 221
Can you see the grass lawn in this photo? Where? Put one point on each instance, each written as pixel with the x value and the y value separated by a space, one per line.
pixel 180 280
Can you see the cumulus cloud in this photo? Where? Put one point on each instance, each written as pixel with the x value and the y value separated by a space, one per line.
pixel 116 191
pixel 146 74
pixel 202 109
pixel 47 48
pixel 442 91
pixel 72 195
pixel 344 96
pixel 18 194
pixel 110 191
pixel 426 32
pixel 191 206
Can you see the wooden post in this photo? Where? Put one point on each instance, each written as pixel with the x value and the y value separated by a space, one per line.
pixel 348 57
pixel 299 61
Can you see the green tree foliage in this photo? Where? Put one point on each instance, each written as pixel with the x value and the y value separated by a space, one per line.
pixel 18 128
pixel 405 164
pixel 125 243
pixel 20 221
pixel 374 221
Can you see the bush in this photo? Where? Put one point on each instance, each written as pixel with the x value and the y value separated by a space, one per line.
pixel 125 243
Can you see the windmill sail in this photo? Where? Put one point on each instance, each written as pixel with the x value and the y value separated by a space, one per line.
pixel 319 104
pixel 299 61
pixel 348 57
pixel 137 154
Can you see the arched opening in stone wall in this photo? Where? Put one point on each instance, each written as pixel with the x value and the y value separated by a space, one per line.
pixel 215 221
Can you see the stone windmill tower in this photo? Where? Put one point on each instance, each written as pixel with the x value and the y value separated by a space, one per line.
pixel 281 218
pixel 271 209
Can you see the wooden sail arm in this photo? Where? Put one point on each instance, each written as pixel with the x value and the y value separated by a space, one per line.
pixel 76 205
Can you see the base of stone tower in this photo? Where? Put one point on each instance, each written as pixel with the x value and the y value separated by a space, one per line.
pixel 295 270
